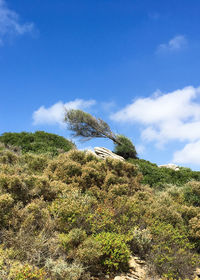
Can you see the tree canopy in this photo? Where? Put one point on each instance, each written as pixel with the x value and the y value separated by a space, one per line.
pixel 126 149
pixel 84 125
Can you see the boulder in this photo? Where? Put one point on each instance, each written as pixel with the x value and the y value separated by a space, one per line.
pixel 171 166
pixel 105 153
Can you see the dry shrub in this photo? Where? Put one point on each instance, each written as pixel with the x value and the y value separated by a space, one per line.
pixel 71 240
pixel 102 219
pixel 30 273
pixel 61 270
pixel 15 185
pixel 41 186
pixel 34 163
pixel 165 210
pixel 71 210
pixel 192 193
pixel 91 177
pixel 8 157
pixel 82 157
pixel 194 227
pixel 140 241
pixel 31 233
pixel 63 169
pixel 6 204
pixel 81 209
pixel 171 252
pixel 89 253
pixel 189 212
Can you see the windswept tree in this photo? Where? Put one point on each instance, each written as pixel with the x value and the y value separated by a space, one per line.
pixel 88 127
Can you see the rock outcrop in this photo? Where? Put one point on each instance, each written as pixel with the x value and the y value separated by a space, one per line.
pixel 137 271
pixel 105 153
pixel 171 166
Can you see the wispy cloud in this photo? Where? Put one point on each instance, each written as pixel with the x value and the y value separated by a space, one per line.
pixel 173 116
pixel 55 114
pixel 10 23
pixel 175 44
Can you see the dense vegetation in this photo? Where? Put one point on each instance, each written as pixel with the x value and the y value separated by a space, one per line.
pixel 38 142
pixel 74 216
pixel 126 149
pixel 158 178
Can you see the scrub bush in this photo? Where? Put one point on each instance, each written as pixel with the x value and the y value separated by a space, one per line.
pixel 30 273
pixel 115 251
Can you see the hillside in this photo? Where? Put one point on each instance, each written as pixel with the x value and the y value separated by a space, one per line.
pixel 38 142
pixel 72 216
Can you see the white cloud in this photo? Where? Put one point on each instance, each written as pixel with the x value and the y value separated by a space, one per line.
pixel 10 23
pixel 176 43
pixel 55 113
pixel 189 154
pixel 140 148
pixel 173 116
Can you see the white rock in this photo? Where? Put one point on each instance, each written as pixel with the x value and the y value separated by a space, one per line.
pixel 170 165
pixel 105 153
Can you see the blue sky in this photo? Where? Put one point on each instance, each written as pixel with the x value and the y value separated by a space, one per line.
pixel 134 63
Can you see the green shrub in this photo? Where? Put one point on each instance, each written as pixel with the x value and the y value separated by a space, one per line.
pixel 72 210
pixel 102 219
pixel 38 142
pixel 71 240
pixel 158 177
pixel 90 253
pixel 126 149
pixel 171 252
pixel 116 253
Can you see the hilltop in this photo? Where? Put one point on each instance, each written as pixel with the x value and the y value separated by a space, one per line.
pixel 70 215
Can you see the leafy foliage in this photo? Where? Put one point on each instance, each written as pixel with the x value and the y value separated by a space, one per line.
pixel 126 149
pixel 159 177
pixel 38 142
pixel 74 215
pixel 29 273
pixel 115 251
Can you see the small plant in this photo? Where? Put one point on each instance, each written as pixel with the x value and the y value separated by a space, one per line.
pixel 61 270
pixel 71 240
pixel 140 241
pixel 90 253
pixel 30 273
